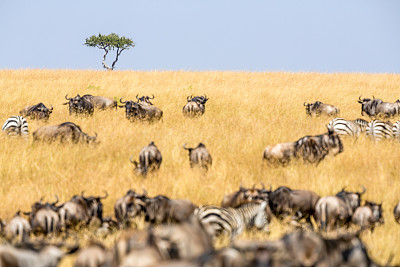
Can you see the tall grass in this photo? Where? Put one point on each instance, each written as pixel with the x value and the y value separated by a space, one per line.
pixel 245 113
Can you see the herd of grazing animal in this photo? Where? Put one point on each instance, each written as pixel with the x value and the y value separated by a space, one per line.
pixel 185 232
pixel 179 233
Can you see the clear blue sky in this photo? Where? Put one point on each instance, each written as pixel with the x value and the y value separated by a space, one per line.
pixel 279 35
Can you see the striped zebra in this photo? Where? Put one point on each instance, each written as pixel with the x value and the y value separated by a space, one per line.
pixel 351 128
pixel 379 130
pixel 396 130
pixel 233 222
pixel 16 126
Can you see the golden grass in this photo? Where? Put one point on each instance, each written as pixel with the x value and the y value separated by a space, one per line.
pixel 245 113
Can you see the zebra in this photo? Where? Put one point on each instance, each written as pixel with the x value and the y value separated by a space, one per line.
pixel 15 126
pixel 396 130
pixel 379 130
pixel 233 222
pixel 351 128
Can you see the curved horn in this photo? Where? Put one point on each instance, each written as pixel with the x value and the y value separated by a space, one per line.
pixel 184 147
pixel 40 200
pixel 137 97
pixel 106 195
pixel 120 100
pixel 305 103
pixel 152 95
pixel 359 98
pixel 67 98
pixel 95 134
pixel 51 107
pixel 82 194
pixel 55 202
pixel 130 159
pixel 364 190
pixel 263 186
pixel 187 98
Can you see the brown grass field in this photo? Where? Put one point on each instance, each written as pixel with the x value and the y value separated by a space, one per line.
pixel 245 113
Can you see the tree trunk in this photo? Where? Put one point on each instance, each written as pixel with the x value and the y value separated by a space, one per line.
pixel 104 61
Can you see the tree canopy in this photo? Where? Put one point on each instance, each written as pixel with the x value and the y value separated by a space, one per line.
pixel 110 42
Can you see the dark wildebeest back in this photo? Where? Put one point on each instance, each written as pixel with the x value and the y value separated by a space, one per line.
pixel 38 111
pixel 337 210
pixel 64 132
pixel 318 108
pixel 195 106
pixel 161 209
pixel 149 160
pixel 313 149
pixel 199 156
pixel 101 102
pixel 142 112
pixel 298 203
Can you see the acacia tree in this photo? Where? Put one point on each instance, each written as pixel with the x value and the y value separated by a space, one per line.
pixel 109 42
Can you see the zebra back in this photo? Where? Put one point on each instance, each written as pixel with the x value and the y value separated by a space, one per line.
pixel 379 130
pixel 396 130
pixel 344 127
pixel 16 126
pixel 232 221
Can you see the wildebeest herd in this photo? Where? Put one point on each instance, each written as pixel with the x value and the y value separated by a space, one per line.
pixel 181 233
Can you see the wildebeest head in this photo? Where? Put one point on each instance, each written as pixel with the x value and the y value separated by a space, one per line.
pixel 136 203
pixel 95 207
pixel 144 100
pixel 335 143
pixel 353 199
pixel 131 108
pixel 200 99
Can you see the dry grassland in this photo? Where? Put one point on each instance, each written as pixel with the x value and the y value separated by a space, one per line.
pixel 245 113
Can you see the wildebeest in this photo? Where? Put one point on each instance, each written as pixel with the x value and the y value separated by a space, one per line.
pixel 185 240
pixel 129 207
pixel 243 196
pixel 334 211
pixel 195 106
pixel 368 215
pixel 378 108
pixel 145 100
pixel 297 203
pixel 280 154
pixel 307 248
pixel 34 255
pixel 101 102
pixel 95 254
pixel 18 227
pixel 161 209
pixel 138 111
pixel 199 156
pixel 313 149
pixel 64 132
pixel 138 248
pixel 44 218
pixel 79 105
pixel 318 108
pixel 38 111
pixel 80 210
pixel 396 212
pixel 149 160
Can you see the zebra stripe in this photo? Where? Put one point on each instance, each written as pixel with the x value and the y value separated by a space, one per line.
pixel 16 125
pixel 379 130
pixel 347 127
pixel 233 222
pixel 396 130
